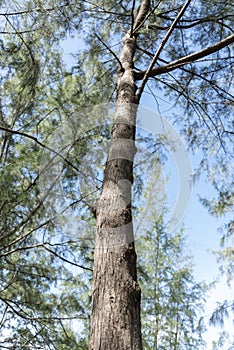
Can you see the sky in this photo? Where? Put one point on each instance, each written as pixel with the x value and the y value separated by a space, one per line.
pixel 200 227
pixel 203 239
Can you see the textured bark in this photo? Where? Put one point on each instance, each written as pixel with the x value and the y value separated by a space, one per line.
pixel 116 294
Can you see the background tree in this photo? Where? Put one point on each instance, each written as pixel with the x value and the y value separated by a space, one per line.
pixel 224 340
pixel 38 303
pixel 171 299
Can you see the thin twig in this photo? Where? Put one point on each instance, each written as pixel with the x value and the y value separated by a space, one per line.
pixel 32 11
pixel 65 260
pixel 16 132
pixel 109 49
pixel 43 245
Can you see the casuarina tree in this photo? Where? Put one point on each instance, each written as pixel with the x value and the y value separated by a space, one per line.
pixel 128 49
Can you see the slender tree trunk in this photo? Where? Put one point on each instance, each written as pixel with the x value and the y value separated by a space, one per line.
pixel 116 294
pixel 156 291
pixel 177 327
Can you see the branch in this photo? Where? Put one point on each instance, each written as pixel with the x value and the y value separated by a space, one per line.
pixel 200 76
pixel 22 39
pixel 193 104
pixel 21 238
pixel 18 249
pixel 3 317
pixel 65 260
pixel 44 245
pixel 108 48
pixel 32 11
pixel 23 32
pixel 132 15
pixel 191 23
pixel 144 9
pixel 164 41
pixel 41 144
pixel 187 59
pixel 228 132
pixel 147 16
pixel 22 314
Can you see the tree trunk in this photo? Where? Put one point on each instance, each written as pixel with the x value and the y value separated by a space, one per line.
pixel 156 291
pixel 116 295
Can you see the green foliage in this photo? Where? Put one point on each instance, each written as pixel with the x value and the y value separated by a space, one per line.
pixel 224 340
pixel 221 312
pixel 171 299
pixel 39 307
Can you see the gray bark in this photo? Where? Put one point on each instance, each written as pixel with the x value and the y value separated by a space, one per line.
pixel 116 293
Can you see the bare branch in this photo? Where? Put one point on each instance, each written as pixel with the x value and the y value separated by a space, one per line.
pixel 44 245
pixel 187 59
pixel 200 76
pixel 3 316
pixel 22 314
pixel 65 260
pixel 109 49
pixel 191 23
